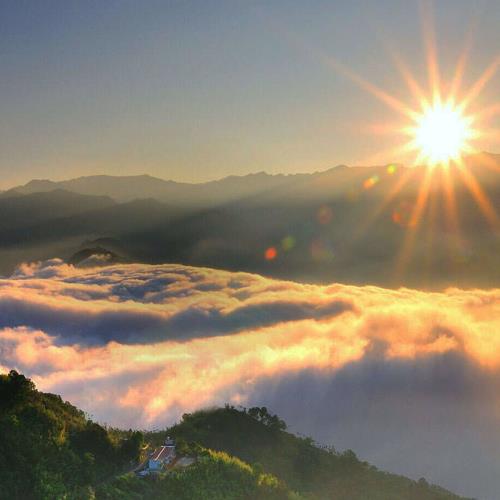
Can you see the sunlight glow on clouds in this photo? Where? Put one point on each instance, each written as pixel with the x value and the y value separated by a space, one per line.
pixel 380 371
pixel 155 341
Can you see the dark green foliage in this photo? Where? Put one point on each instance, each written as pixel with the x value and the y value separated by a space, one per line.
pixel 263 416
pixel 216 476
pixel 48 449
pixel 258 438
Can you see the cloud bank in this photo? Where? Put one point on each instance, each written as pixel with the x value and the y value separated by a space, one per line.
pixel 410 380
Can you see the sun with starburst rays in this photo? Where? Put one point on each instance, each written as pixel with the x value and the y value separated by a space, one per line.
pixel 440 132
pixel 443 132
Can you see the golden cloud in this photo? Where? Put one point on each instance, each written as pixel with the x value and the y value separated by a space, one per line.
pixel 195 337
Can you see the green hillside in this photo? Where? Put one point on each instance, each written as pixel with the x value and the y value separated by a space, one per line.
pixel 50 450
pixel 260 439
pixel 215 476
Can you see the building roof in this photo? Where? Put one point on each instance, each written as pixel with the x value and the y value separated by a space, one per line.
pixel 162 453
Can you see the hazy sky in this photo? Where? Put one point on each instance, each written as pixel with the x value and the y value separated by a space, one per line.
pixel 195 90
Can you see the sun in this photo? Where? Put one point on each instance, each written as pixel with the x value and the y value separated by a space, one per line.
pixel 443 128
pixel 442 133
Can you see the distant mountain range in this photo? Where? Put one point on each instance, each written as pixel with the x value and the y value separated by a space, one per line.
pixel 232 188
pixel 128 188
pixel 347 224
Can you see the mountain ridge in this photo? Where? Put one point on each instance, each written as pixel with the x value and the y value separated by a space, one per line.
pixel 344 224
pixel 51 449
pixel 48 184
pixel 203 194
pixel 123 189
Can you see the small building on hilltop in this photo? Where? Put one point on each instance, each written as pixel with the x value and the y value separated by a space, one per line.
pixel 162 456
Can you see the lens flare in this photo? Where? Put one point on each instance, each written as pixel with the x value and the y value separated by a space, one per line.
pixel 371 181
pixel 324 214
pixel 271 253
pixel 287 243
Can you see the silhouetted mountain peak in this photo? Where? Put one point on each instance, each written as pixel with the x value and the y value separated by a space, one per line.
pixel 95 256
pixel 37 185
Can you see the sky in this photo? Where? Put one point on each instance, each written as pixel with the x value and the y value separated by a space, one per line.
pixel 197 90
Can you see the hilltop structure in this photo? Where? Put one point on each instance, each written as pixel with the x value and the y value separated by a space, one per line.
pixel 162 456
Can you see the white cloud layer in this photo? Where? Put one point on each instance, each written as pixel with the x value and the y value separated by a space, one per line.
pixel 406 378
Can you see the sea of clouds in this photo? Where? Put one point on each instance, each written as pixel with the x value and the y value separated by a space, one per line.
pixel 408 379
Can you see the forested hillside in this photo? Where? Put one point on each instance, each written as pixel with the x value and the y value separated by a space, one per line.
pixel 50 450
pixel 259 438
